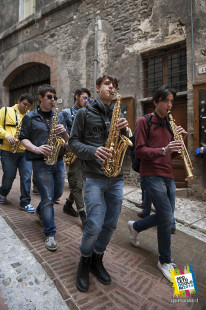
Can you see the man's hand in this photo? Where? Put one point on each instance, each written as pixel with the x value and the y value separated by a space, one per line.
pixel 43 149
pixel 122 123
pixel 173 146
pixel 103 153
pixel 11 140
pixel 59 129
pixel 181 131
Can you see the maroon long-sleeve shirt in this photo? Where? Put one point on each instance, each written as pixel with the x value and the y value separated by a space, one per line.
pixel 153 163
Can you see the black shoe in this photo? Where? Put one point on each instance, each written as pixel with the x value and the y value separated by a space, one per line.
pixel 35 192
pixel 83 218
pixel 82 280
pixel 69 209
pixel 98 269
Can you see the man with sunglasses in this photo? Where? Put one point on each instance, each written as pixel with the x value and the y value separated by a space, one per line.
pixel 10 119
pixel 49 179
pixel 66 117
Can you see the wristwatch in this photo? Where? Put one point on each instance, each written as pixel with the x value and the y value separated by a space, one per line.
pixel 163 151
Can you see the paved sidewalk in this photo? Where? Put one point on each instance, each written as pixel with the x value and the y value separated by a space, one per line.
pixel 136 281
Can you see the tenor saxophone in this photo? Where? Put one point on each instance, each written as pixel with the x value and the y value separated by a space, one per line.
pixel 54 141
pixel 183 151
pixel 14 147
pixel 117 143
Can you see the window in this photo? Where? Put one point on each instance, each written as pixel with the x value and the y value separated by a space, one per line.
pixel 166 66
pixel 26 8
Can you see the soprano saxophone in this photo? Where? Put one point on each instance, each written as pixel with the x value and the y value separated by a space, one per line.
pixel 54 141
pixel 117 143
pixel 183 152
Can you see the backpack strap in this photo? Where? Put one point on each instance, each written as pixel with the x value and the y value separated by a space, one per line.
pixel 5 116
pixel 149 123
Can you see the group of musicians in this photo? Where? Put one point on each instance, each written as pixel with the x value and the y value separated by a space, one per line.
pixel 95 133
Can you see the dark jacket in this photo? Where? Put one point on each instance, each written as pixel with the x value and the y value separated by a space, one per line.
pixel 88 133
pixel 36 129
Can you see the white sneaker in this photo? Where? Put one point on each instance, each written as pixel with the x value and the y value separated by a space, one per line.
pixel 29 208
pixel 165 268
pixel 133 234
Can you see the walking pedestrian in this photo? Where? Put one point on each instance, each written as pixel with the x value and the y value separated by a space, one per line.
pixel 39 128
pixel 156 174
pixel 103 195
pixel 13 153
pixel 74 174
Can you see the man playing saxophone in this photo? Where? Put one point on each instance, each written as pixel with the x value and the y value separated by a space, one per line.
pixel 67 116
pixel 102 194
pixel 156 174
pixel 38 128
pixel 13 154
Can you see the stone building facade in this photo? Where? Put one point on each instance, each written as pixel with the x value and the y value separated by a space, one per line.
pixel 146 43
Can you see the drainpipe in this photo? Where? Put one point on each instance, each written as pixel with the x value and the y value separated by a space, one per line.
pixel 97 28
pixel 192 38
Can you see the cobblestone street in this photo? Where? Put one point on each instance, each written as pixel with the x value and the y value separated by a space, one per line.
pixel 136 281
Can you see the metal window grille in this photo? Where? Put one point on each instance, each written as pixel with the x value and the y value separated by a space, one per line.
pixel 166 67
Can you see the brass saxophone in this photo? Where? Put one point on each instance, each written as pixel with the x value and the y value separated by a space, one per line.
pixel 69 158
pixel 117 143
pixel 14 147
pixel 183 152
pixel 54 141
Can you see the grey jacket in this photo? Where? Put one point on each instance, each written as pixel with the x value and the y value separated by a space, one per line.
pixel 88 133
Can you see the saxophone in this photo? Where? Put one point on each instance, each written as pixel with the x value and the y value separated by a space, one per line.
pixel 54 141
pixel 69 158
pixel 183 152
pixel 117 143
pixel 14 147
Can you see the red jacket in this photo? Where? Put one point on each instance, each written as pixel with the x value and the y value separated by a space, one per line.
pixel 153 163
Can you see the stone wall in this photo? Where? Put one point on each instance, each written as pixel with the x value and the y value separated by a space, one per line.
pixel 64 30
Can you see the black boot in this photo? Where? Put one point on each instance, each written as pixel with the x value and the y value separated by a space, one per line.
pixel 98 269
pixel 83 217
pixel 82 280
pixel 69 209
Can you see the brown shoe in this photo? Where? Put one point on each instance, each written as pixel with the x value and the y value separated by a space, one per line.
pixel 139 205
pixel 173 231
pixel 140 214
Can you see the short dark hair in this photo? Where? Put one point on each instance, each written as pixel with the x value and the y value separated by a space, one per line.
pixel 109 76
pixel 80 91
pixel 45 88
pixel 162 93
pixel 26 96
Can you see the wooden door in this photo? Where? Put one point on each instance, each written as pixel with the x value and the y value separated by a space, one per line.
pixel 179 113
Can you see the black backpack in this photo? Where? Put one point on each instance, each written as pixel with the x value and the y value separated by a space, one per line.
pixel 136 161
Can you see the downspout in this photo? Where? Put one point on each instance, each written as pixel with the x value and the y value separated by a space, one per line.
pixel 96 55
pixel 192 38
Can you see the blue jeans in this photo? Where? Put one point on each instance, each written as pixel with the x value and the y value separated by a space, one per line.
pixel 162 192
pixel 10 163
pixel 147 204
pixel 50 184
pixel 103 199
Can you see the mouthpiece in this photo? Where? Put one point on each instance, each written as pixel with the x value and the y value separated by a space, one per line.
pixel 112 93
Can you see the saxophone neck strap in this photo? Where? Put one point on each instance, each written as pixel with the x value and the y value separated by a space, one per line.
pixel 105 119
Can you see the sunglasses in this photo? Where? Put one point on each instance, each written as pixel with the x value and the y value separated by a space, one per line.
pixel 50 97
pixel 85 98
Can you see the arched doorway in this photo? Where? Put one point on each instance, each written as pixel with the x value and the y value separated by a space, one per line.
pixel 28 81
